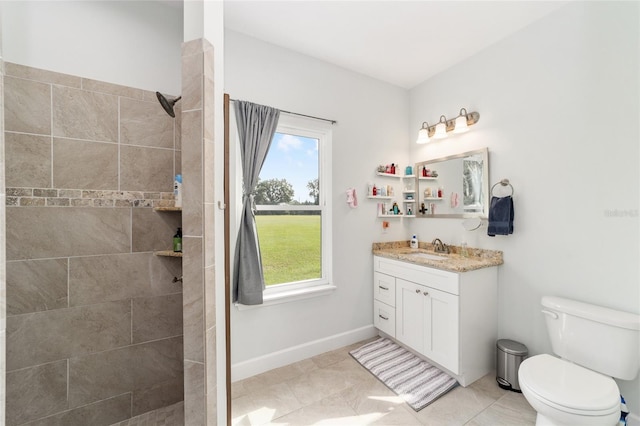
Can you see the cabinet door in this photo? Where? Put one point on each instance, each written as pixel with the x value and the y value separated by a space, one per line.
pixel 441 328
pixel 384 288
pixel 410 319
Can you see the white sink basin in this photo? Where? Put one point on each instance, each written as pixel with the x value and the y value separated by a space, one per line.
pixel 426 256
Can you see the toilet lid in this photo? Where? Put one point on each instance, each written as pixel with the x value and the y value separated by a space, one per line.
pixel 569 386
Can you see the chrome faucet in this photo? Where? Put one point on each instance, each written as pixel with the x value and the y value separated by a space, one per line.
pixel 439 246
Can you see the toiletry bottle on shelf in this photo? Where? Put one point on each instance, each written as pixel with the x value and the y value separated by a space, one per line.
pixel 374 192
pixel 177 241
pixel 396 209
pixel 463 249
pixel 177 191
pixel 414 242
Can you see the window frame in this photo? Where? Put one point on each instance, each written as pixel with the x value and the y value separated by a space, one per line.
pixel 286 292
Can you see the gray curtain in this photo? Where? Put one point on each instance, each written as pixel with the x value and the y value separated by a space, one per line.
pixel 256 127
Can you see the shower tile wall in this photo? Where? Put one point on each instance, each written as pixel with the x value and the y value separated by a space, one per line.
pixel 94 321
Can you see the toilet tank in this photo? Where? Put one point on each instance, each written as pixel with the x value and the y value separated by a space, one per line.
pixel 598 338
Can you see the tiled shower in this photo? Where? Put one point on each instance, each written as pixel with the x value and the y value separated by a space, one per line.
pixel 94 319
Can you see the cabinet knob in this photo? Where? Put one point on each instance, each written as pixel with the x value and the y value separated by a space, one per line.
pixel 384 288
pixel 383 317
pixel 417 291
pixel 426 293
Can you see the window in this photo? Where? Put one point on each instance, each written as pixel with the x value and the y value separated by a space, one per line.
pixel 293 216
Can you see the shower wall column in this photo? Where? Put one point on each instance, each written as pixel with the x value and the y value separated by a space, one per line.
pixel 198 220
pixel 3 294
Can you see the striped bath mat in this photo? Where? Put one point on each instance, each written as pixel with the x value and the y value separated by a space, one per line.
pixel 414 380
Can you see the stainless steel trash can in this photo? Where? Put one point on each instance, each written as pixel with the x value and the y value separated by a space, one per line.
pixel 509 356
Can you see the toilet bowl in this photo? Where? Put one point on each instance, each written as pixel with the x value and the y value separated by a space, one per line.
pixel 564 393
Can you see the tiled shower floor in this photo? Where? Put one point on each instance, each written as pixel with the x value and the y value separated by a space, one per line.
pixel 172 415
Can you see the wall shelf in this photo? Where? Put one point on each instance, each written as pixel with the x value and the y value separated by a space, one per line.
pixel 388 175
pixel 393 215
pixel 379 197
pixel 427 178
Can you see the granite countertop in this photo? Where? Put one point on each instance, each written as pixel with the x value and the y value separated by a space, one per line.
pixel 454 261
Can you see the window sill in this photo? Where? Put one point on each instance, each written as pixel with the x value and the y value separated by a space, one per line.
pixel 290 296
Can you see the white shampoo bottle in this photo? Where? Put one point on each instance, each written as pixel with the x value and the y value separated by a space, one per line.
pixel 177 190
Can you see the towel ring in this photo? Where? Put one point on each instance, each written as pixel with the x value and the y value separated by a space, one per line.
pixel 503 182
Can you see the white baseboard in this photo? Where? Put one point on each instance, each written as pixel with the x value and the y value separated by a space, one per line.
pixel 633 420
pixel 267 362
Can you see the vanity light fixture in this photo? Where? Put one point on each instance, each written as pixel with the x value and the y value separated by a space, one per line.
pixel 460 124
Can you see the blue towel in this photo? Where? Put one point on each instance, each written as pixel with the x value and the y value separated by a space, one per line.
pixel 500 216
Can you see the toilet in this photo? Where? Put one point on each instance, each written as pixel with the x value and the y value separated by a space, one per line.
pixel 593 344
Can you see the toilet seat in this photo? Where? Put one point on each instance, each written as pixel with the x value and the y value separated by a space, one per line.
pixel 568 387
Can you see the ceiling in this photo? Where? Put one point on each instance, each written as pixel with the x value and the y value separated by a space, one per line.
pixel 401 42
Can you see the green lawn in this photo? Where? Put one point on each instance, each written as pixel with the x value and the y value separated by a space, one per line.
pixel 290 247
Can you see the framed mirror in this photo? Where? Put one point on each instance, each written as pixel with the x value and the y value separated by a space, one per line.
pixel 453 187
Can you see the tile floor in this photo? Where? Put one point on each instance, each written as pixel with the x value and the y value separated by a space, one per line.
pixel 333 389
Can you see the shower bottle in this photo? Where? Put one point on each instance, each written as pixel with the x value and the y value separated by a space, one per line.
pixel 177 241
pixel 177 191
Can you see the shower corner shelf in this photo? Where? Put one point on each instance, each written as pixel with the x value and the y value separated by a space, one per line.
pixel 167 253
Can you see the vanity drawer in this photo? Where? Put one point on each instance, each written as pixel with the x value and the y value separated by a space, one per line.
pixel 384 318
pixel 431 277
pixel 384 288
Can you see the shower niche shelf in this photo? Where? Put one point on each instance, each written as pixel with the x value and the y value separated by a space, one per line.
pixel 168 209
pixel 167 253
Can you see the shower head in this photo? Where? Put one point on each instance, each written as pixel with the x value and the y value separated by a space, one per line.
pixel 167 104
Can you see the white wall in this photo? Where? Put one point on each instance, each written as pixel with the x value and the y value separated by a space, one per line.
pixel 372 129
pixel 133 43
pixel 559 108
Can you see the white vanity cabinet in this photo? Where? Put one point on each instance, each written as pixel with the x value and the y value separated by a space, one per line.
pixel 450 318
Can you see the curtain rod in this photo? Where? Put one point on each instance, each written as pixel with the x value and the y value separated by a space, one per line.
pixel 300 115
